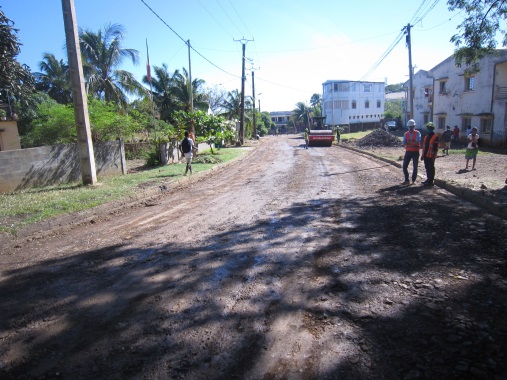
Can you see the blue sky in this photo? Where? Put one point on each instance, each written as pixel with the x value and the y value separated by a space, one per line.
pixel 295 45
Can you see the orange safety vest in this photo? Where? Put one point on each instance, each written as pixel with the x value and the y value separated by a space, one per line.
pixel 432 148
pixel 411 145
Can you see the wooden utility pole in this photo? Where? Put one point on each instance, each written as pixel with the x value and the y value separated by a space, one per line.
pixel 254 111
pixel 410 72
pixel 190 89
pixel 88 171
pixel 243 78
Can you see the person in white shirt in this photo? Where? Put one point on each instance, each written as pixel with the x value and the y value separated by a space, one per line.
pixel 472 147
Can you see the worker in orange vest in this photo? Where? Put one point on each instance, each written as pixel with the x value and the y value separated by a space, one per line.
pixel 412 143
pixel 429 153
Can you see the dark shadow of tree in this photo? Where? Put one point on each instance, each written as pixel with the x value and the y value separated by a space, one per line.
pixel 118 313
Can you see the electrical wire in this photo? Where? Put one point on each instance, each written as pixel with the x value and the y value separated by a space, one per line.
pixel 186 42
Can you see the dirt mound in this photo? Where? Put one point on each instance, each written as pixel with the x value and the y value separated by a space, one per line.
pixel 379 138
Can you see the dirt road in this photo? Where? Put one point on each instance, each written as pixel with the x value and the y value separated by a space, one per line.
pixel 288 264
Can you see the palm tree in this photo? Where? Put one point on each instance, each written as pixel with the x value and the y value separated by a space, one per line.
pixel 181 91
pixel 316 102
pixel 54 79
pixel 302 113
pixel 103 54
pixel 161 87
pixel 232 106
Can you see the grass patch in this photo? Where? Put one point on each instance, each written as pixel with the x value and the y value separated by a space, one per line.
pixel 21 208
pixel 354 135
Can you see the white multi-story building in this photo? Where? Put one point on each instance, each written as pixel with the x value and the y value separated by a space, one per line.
pixel 352 102
pixel 451 95
pixel 281 119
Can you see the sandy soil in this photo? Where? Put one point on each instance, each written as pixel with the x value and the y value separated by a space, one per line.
pixel 287 264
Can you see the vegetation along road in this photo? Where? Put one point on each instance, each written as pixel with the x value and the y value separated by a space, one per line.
pixel 287 264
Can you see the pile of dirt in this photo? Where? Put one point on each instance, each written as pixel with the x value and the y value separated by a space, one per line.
pixel 378 138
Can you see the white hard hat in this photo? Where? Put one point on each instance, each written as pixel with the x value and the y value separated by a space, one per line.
pixel 411 123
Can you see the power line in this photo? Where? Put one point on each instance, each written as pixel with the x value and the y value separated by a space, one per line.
pixel 185 42
pixel 240 19
pixel 227 14
pixel 213 17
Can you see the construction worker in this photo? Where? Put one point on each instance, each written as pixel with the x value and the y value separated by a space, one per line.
pixel 412 143
pixel 429 153
pixel 306 138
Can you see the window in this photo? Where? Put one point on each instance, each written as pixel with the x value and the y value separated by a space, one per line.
pixel 443 89
pixel 367 87
pixel 441 122
pixel 354 104
pixel 353 87
pixel 469 83
pixel 343 104
pixel 486 124
pixel 466 123
pixel 379 104
pixel 426 118
pixel 366 104
pixel 341 87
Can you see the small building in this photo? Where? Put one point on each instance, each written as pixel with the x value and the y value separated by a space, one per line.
pixel 348 102
pixel 281 119
pixel 451 95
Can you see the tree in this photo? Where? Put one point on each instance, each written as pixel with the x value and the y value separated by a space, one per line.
pixel 54 123
pixel 181 91
pixel 210 129
pixel 478 32
pixel 54 79
pixel 162 88
pixel 16 79
pixel 215 96
pixel 302 114
pixel 232 105
pixel 316 102
pixel 393 109
pixel 398 87
pixel 103 54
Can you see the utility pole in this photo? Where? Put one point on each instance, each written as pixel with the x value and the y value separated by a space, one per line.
pixel 254 111
pixel 243 78
pixel 191 95
pixel 410 71
pixel 88 171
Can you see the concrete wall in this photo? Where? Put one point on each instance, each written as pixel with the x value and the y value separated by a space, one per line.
pixel 49 165
pixel 9 137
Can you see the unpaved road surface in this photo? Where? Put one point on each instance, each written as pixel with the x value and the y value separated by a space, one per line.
pixel 287 264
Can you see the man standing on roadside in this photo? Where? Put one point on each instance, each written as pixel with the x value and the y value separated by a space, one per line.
pixel 186 147
pixel 446 137
pixel 429 153
pixel 412 143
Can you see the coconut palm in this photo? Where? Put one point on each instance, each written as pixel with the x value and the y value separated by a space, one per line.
pixel 316 102
pixel 103 54
pixel 301 113
pixel 54 79
pixel 181 91
pixel 232 106
pixel 162 88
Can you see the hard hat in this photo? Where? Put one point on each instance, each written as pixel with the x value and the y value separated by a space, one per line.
pixel 430 125
pixel 411 123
